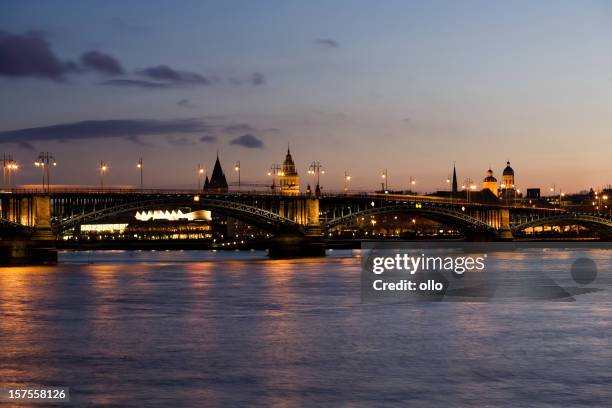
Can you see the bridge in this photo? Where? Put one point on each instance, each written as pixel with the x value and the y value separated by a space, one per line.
pixel 32 220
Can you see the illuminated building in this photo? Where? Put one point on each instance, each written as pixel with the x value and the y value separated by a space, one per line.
pixel 289 179
pixel 490 182
pixel 508 190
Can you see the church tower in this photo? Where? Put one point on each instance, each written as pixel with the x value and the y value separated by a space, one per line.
pixel 289 179
pixel 508 190
pixel 217 183
pixel 508 177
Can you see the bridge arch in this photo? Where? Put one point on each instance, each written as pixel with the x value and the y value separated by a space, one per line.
pixel 261 218
pixel 596 222
pixel 12 229
pixel 467 224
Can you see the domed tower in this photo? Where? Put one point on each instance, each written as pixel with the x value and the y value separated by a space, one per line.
pixel 289 179
pixel 508 178
pixel 490 182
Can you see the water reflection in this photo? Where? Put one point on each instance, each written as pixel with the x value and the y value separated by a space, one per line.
pixel 217 329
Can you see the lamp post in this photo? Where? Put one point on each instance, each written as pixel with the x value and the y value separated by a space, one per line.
pixel 5 161
pixel 200 174
pixel 385 177
pixel 412 183
pixel 553 189
pixel 103 170
pixel 274 172
pixel 10 166
pixel 45 160
pixel 316 169
pixel 347 182
pixel 140 166
pixel 237 168
pixel 468 186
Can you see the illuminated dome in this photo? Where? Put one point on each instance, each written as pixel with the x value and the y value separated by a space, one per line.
pixel 490 182
pixel 490 178
pixel 508 171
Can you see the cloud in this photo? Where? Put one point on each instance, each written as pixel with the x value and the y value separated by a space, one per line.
pixel 239 128
pixel 327 43
pixel 186 103
pixel 128 129
pixel 171 76
pixel 257 79
pixel 179 140
pixel 248 140
pixel 135 83
pixel 101 62
pixel 29 55
pixel 208 139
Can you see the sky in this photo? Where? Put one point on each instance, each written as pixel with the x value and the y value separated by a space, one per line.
pixel 361 86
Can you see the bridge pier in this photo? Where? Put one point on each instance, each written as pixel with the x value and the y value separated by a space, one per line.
pixel 505 233
pixel 301 246
pixel 38 248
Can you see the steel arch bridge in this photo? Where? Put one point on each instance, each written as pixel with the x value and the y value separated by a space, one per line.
pixel 10 229
pixel 259 217
pixel 596 221
pixel 447 215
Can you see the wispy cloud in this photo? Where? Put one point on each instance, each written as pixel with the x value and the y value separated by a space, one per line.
pixel 186 103
pixel 208 139
pixel 136 83
pixel 172 76
pixel 327 43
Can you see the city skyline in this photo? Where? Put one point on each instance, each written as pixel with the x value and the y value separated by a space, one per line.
pixel 344 83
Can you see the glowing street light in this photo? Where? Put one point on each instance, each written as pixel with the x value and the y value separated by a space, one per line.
pixel 9 166
pixel 45 160
pixel 200 174
pixel 385 176
pixel 274 172
pixel 316 169
pixel 237 168
pixel 347 181
pixel 103 170
pixel 140 167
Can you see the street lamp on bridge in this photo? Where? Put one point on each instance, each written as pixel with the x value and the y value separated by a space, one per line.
pixel 8 166
pixel 45 160
pixel 468 186
pixel 316 169
pixel 200 174
pixel 103 170
pixel 385 177
pixel 237 168
pixel 347 182
pixel 274 172
pixel 140 166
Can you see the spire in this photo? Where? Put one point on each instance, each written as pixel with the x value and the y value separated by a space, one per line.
pixel 454 179
pixel 217 182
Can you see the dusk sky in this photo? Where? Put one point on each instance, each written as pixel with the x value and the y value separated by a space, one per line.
pixel 358 85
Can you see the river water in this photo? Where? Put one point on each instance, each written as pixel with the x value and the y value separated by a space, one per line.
pixel 217 329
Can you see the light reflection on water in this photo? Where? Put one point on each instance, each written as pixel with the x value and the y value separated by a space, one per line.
pixel 234 328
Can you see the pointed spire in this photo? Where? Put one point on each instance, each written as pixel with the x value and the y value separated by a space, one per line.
pixel 454 179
